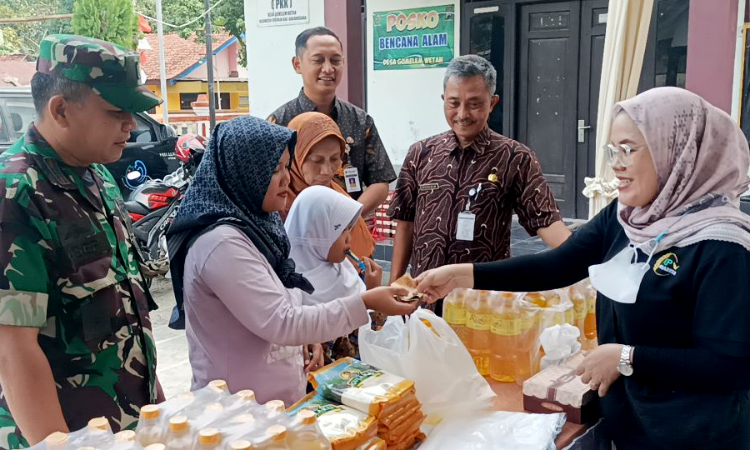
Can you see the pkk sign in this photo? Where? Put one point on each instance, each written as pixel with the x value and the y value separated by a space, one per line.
pixel 417 38
pixel 272 13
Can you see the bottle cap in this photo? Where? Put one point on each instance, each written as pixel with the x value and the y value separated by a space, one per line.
pixel 125 436
pixel 209 436
pixel 275 405
pixel 150 412
pixel 156 447
pixel 178 423
pixel 307 417
pixel 219 384
pixel 240 445
pixel 99 423
pixel 58 437
pixel 246 395
pixel 276 433
pixel 244 418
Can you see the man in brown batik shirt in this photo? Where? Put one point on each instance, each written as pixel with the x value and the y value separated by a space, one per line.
pixel 458 190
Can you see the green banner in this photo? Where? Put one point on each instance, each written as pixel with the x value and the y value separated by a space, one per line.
pixel 417 38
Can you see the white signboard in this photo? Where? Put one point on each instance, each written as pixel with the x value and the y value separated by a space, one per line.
pixel 273 13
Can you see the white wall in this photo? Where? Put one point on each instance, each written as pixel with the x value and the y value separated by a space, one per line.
pixel 406 104
pixel 270 77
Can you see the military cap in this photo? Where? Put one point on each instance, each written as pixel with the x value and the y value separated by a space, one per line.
pixel 112 71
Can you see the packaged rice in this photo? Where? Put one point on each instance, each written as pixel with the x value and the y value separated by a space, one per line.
pixel 361 386
pixel 346 428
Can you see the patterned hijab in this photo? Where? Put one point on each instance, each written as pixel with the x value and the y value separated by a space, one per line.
pixel 229 188
pixel 311 128
pixel 701 159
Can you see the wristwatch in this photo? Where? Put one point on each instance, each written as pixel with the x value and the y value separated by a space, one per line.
pixel 625 367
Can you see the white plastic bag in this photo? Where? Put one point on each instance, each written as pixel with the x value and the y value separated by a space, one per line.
pixel 498 430
pixel 446 380
pixel 560 342
pixel 385 348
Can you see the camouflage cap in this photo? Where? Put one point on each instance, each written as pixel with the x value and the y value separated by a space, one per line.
pixel 111 71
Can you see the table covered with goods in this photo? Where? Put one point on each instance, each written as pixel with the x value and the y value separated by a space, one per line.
pixel 426 382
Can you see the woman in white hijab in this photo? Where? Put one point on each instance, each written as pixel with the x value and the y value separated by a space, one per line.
pixel 319 227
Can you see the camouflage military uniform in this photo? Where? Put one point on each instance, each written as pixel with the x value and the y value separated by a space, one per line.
pixel 68 268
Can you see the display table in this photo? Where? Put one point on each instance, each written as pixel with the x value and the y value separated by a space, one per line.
pixel 510 398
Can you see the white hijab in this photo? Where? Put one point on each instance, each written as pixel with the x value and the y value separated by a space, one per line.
pixel 316 220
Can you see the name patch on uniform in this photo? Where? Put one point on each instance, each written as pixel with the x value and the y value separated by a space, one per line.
pixel 429 187
pixel 81 244
pixel 666 265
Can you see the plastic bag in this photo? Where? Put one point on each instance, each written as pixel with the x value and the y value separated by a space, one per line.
pixel 446 378
pixel 385 348
pixel 560 342
pixel 428 351
pixel 496 430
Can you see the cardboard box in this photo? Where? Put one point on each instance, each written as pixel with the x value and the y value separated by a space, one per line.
pixel 558 389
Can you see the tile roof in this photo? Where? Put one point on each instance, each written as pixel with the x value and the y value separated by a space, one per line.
pixel 16 70
pixel 179 53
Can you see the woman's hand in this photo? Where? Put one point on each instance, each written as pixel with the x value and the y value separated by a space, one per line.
pixel 382 299
pixel 437 283
pixel 599 368
pixel 373 273
pixel 317 361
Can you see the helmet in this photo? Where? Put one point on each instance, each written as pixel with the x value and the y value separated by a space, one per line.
pixel 190 145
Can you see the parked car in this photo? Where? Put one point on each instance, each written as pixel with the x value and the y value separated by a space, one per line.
pixel 150 149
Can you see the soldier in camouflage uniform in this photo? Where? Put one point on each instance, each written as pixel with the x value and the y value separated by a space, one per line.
pixel 74 309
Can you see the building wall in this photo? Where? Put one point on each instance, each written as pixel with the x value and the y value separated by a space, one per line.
pixel 235 89
pixel 224 63
pixel 270 50
pixel 712 41
pixel 406 104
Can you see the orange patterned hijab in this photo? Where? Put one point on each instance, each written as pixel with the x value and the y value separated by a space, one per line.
pixel 313 127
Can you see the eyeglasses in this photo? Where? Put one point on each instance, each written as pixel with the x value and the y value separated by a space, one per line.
pixel 621 153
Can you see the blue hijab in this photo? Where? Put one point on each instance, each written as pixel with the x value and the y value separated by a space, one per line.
pixel 228 189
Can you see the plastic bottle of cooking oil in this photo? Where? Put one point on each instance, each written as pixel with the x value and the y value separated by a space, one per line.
pixel 276 439
pixel 208 439
pixel 179 436
pixel 454 313
pixel 149 430
pixel 478 322
pixel 589 323
pixel 306 433
pixel 527 352
pixel 505 330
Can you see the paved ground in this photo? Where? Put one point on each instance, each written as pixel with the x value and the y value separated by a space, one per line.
pixel 173 365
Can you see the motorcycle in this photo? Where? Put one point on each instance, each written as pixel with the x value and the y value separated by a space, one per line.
pixel 153 205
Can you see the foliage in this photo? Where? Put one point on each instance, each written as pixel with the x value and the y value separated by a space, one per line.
pixel 110 20
pixel 229 16
pixel 25 37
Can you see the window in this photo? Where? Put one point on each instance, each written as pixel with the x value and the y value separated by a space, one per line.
pixel 745 94
pixel 3 130
pixel 20 113
pixel 223 100
pixel 244 101
pixel 665 60
pixel 671 43
pixel 186 100
pixel 143 133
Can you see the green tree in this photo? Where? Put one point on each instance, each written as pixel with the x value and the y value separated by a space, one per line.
pixel 24 37
pixel 229 16
pixel 110 20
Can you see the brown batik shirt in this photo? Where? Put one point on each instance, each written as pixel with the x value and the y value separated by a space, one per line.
pixel 364 149
pixel 433 188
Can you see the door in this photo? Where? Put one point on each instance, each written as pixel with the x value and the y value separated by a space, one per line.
pixel 593 28
pixel 483 27
pixel 547 74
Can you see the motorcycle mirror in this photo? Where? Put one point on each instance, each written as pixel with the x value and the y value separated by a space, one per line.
pixel 133 175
